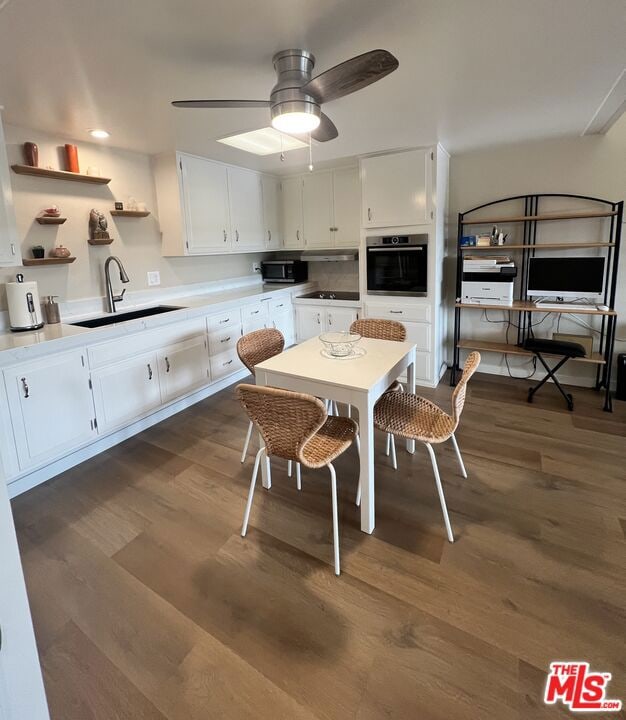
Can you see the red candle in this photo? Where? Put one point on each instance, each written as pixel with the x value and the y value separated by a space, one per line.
pixel 71 155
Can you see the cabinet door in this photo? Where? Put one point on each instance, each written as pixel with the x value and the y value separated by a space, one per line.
pixel 283 321
pixel 339 319
pixel 51 406
pixel 293 236
pixel 395 189
pixel 8 231
pixel 309 319
pixel 246 209
pixel 317 205
pixel 183 367
pixel 125 391
pixel 270 189
pixel 347 205
pixel 205 197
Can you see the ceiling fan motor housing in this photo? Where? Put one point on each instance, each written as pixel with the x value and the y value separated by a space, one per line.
pixel 294 69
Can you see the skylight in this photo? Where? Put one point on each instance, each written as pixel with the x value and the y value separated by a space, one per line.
pixel 265 141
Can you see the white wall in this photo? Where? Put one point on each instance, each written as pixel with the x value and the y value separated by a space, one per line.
pixel 137 241
pixel 594 165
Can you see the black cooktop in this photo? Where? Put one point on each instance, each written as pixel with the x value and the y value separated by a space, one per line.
pixel 330 295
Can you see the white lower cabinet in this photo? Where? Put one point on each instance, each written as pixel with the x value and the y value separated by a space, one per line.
pixel 51 406
pixel 225 364
pixel 127 390
pixel 183 367
pixel 311 320
pixel 283 321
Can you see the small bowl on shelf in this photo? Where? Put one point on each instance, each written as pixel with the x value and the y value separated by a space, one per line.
pixel 340 344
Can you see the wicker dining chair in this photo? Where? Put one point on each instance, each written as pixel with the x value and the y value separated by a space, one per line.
pixel 296 427
pixel 416 418
pixel 253 348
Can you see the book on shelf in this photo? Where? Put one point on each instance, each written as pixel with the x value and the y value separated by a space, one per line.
pixel 487 259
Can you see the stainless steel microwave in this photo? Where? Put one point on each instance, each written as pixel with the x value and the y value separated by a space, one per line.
pixel 284 271
pixel 397 265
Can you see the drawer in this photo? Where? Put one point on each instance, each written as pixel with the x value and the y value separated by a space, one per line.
pixel 279 305
pixel 256 323
pixel 255 310
pixel 225 339
pixel 418 333
pixel 223 320
pixel 224 364
pixel 399 311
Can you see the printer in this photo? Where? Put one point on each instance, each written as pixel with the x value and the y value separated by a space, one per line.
pixel 488 280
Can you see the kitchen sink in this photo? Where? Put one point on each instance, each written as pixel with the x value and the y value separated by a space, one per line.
pixel 115 318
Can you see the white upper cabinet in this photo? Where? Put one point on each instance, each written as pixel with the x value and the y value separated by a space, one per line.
pixel 318 218
pixel 205 196
pixel 270 190
pixel 395 189
pixel 293 236
pixel 246 209
pixel 347 205
pixel 9 254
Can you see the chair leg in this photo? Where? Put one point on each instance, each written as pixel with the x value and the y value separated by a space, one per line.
pixel 458 456
pixel 298 477
pixel 255 472
pixel 289 468
pixel 388 448
pixel 358 494
pixel 394 460
pixel 442 498
pixel 247 442
pixel 333 484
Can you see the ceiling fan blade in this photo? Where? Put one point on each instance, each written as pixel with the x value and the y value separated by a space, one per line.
pixel 325 131
pixel 220 103
pixel 351 75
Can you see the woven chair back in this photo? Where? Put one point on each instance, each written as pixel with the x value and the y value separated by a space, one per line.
pixel 458 396
pixel 379 329
pixel 255 347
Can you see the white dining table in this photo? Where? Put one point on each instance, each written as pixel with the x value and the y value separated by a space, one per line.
pixel 357 381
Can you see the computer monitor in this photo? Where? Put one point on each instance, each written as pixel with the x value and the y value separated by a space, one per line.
pixel 581 277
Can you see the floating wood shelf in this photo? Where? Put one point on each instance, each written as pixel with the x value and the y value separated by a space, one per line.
pixel 487 346
pixel 130 213
pixel 48 261
pixel 525 306
pixel 42 220
pixel 59 175
pixel 537 246
pixel 539 218
pixel 100 241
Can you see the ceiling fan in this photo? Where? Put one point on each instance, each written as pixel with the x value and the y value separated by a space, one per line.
pixel 296 99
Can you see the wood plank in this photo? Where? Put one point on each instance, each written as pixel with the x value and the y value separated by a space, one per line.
pixel 509 349
pixel 540 218
pixel 538 246
pixel 59 175
pixel 526 306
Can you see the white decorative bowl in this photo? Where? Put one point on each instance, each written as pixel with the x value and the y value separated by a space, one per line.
pixel 340 344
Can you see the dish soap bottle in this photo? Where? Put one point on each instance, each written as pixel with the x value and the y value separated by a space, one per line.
pixel 53 316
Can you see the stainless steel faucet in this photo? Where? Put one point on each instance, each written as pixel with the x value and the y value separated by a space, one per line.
pixel 111 298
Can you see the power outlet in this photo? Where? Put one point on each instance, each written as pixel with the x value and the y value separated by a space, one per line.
pixel 154 277
pixel 256 267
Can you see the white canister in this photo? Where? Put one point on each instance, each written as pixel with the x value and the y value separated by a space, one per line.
pixel 24 307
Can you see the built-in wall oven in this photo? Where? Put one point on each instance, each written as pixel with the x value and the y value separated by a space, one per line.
pixel 397 265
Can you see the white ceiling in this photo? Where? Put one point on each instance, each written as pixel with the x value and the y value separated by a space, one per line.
pixel 472 72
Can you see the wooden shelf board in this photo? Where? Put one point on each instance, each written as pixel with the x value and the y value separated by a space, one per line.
pixel 488 346
pixel 50 220
pixel 525 306
pixel 100 241
pixel 538 246
pixel 27 262
pixel 59 175
pixel 130 213
pixel 539 218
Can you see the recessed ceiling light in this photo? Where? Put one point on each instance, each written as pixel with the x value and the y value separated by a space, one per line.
pixel 100 134
pixel 265 141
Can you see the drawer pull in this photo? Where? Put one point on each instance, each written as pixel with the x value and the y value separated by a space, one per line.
pixel 25 386
pixel 149 371
pixel 229 362
pixel 224 321
pixel 167 364
pixel 226 339
pixel 236 235
pixel 225 236
pixel 255 312
pixel 281 305
pixel 396 312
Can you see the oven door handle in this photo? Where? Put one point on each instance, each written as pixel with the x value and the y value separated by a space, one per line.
pixel 396 248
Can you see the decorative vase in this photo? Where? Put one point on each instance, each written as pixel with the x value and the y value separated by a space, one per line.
pixel 31 154
pixel 38 251
pixel 71 156
pixel 60 252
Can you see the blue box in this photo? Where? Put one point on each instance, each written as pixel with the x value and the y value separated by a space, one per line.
pixel 468 241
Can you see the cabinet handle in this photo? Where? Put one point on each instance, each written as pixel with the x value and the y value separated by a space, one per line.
pixel 298 235
pixel 369 213
pixel 281 305
pixel 225 235
pixel 25 386
pixel 12 248
pixel 319 321
pixel 330 319
pixel 167 364
pixel 224 321
pixel 396 312
pixel 255 312
pixel 227 363
pixel 226 339
pixel 149 371
pixel 236 235
pixel 269 236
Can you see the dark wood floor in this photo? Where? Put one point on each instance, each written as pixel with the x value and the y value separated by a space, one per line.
pixel 147 603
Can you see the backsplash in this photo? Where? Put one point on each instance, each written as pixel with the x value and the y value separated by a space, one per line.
pixel 342 276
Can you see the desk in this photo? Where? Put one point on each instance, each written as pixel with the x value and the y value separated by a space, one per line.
pixel 358 382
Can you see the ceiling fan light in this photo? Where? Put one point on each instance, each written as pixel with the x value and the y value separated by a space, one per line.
pixel 296 123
